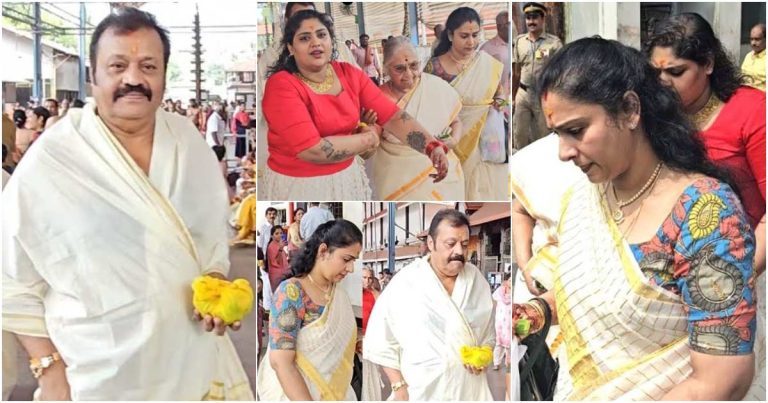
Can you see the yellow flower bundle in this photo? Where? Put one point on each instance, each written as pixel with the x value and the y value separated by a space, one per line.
pixel 228 300
pixel 477 356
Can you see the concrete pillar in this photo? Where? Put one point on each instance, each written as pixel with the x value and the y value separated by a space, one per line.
pixel 37 84
pixel 610 20
pixel 413 23
pixel 727 26
pixel 360 19
pixel 628 16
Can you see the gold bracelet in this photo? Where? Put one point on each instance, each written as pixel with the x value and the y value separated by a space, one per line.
pixel 536 306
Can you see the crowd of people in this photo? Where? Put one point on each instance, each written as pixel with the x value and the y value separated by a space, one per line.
pixel 337 120
pixel 640 223
pixel 22 125
pixel 216 119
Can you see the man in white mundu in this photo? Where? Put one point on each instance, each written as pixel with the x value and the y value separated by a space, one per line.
pixel 428 312
pixel 106 223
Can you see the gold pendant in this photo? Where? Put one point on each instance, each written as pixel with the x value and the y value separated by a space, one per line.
pixel 618 216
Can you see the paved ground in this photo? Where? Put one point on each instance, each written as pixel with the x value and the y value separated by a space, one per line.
pixel 243 265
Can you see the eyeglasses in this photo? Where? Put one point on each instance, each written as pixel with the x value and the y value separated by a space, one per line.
pixel 401 68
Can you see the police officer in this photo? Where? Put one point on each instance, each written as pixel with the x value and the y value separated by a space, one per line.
pixel 531 52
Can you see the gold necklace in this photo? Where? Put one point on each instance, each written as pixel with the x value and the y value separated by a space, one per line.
pixel 323 86
pixel 461 65
pixel 618 215
pixel 704 114
pixel 326 292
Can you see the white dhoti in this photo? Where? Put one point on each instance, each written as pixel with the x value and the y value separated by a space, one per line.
pixel 418 329
pixel 99 257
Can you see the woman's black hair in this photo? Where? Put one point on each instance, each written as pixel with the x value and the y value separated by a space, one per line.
pixel 455 20
pixel 19 118
pixel 273 230
pixel 297 210
pixel 691 37
pixel 335 234
pixel 289 6
pixel 286 61
pixel 599 71
pixel 41 112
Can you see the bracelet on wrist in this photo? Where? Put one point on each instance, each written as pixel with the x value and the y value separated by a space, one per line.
pixel 399 385
pixel 38 365
pixel 538 320
pixel 432 145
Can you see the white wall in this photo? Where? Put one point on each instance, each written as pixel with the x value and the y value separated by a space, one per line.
pixel 353 283
pixel 18 61
pixel 68 75
pixel 415 218
pixel 727 27
pixel 610 20
pixel 628 16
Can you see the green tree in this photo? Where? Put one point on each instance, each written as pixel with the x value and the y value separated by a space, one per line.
pixel 174 72
pixel 215 73
pixel 21 15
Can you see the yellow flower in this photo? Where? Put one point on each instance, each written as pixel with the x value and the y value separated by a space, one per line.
pixel 292 291
pixel 478 357
pixel 705 215
pixel 229 301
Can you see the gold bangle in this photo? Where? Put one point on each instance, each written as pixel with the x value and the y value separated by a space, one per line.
pixel 539 321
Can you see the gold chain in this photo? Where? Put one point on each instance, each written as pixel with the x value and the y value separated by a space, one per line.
pixel 618 215
pixel 461 65
pixel 704 114
pixel 323 86
pixel 326 291
pixel 639 211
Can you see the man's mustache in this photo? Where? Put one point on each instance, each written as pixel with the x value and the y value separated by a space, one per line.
pixel 123 91
pixel 457 258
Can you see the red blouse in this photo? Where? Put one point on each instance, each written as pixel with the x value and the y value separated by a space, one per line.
pixel 736 141
pixel 278 264
pixel 298 118
pixel 368 301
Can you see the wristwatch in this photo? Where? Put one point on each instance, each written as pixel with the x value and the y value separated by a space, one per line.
pixel 38 365
pixel 399 385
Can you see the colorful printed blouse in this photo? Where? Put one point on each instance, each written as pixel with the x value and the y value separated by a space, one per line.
pixel 436 68
pixel 291 310
pixel 703 252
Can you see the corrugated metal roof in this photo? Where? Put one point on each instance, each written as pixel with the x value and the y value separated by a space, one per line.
pixel 383 19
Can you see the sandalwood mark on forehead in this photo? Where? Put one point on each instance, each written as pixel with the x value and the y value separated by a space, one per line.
pixel 661 63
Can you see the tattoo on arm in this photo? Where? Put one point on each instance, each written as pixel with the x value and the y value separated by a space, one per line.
pixel 417 141
pixel 332 154
pixel 404 116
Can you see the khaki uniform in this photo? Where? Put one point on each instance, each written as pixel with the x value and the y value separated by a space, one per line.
pixel 529 124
